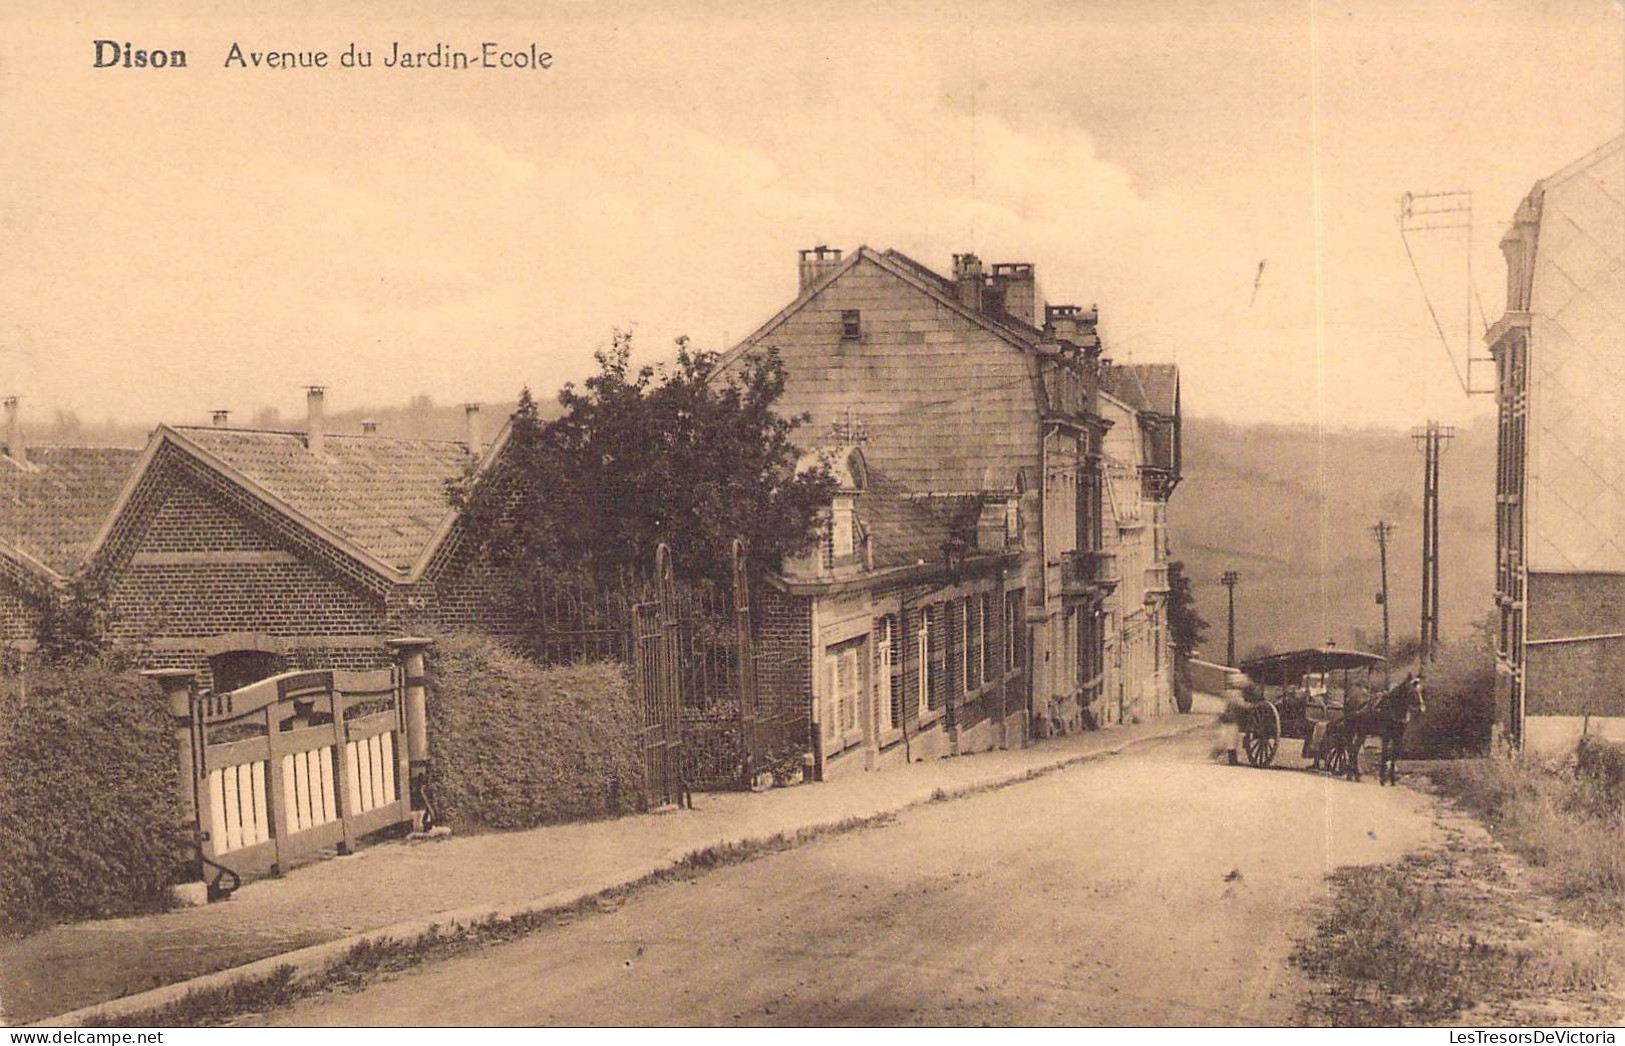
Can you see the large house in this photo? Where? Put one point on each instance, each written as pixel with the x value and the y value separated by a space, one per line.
pixel 239 553
pixel 1560 481
pixel 996 565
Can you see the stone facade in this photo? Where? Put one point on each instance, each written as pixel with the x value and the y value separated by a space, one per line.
pixel 981 403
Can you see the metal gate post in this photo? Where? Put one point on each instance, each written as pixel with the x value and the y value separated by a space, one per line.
pixel 409 651
pixel 746 656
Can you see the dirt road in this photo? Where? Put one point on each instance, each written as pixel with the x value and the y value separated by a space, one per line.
pixel 1157 887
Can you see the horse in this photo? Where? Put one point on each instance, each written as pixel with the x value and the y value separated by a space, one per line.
pixel 1384 717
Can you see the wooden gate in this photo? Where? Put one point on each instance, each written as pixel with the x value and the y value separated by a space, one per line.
pixel 654 627
pixel 297 763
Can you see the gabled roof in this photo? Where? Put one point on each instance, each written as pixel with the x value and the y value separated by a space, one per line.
pixel 384 493
pixel 380 499
pixel 939 288
pixel 1149 387
pixel 50 511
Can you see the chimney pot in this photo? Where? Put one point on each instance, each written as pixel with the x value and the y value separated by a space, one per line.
pixel 968 280
pixel 1018 284
pixel 316 418
pixel 16 445
pixel 471 428
pixel 221 418
pixel 817 262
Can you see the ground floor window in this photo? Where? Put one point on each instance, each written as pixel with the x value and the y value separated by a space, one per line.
pixel 990 646
pixel 933 658
pixel 889 686
pixel 973 643
pixel 844 667
pixel 1015 629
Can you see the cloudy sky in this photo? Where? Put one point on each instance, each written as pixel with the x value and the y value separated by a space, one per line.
pixel 178 240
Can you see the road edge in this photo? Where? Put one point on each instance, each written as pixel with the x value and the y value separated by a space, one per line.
pixel 314 960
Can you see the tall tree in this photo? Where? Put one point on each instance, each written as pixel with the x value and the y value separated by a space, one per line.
pixel 674 454
pixel 1186 627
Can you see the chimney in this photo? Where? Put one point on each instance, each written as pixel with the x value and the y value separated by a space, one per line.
pixel 316 419
pixel 471 428
pixel 1020 288
pixel 369 427
pixel 16 446
pixel 816 263
pixel 968 280
pixel 222 418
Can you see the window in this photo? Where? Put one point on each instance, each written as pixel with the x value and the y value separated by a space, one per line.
pixel 958 624
pixel 933 658
pixel 841 723
pixel 973 643
pixel 889 687
pixel 851 325
pixel 1015 630
pixel 1012 520
pixel 990 647
pixel 841 527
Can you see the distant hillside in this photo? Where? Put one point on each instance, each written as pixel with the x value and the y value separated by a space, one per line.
pixel 1251 502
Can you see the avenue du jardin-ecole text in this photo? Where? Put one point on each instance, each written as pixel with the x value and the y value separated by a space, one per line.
pixel 114 54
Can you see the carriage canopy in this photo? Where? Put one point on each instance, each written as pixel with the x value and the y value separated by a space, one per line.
pixel 1289 668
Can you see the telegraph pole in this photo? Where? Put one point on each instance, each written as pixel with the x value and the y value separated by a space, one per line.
pixel 1380 530
pixel 1230 579
pixel 1430 440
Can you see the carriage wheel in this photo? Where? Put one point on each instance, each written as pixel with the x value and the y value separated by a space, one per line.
pixel 1337 760
pixel 1263 735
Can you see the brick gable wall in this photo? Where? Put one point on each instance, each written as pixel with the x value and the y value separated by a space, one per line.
pixel 196 565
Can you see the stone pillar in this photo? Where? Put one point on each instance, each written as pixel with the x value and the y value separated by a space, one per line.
pixel 177 687
pixel 409 654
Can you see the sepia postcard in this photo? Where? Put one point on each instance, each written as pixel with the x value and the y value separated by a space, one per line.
pixel 1048 513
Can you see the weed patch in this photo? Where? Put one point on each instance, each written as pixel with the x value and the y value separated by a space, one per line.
pixel 1561 819
pixel 1425 940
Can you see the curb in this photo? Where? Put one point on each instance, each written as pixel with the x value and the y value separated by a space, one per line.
pixel 315 959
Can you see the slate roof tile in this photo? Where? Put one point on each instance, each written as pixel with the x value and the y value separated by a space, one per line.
pixel 53 510
pixel 385 494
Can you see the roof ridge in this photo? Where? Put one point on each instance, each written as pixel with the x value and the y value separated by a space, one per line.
pixel 302 433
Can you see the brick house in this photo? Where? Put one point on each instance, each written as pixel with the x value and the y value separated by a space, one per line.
pixel 1560 480
pixel 897 632
pixel 986 425
pixel 238 553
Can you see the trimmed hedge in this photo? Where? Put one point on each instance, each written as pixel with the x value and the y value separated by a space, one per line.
pixel 517 745
pixel 90 811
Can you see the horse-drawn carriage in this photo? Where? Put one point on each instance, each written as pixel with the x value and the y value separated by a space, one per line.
pixel 1304 694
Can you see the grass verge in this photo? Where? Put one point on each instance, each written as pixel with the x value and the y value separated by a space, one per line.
pixel 372 959
pixel 1471 932
pixel 1425 940
pixel 1565 822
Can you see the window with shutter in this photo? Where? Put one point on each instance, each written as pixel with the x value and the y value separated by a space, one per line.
pixel 889 687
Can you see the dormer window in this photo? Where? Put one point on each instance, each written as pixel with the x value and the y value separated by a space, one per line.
pixel 842 528
pixel 1012 521
pixel 851 325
